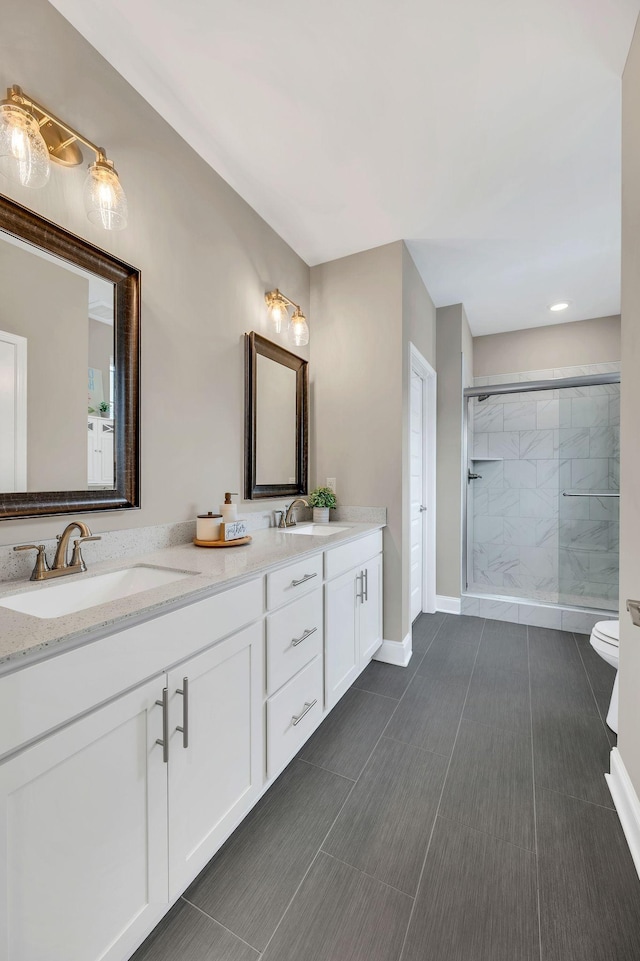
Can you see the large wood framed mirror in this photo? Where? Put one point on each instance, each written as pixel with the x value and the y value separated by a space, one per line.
pixel 69 372
pixel 276 420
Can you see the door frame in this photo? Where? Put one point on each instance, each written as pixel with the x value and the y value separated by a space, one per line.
pixel 20 395
pixel 428 375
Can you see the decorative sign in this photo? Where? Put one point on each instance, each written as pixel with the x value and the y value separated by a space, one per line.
pixel 232 530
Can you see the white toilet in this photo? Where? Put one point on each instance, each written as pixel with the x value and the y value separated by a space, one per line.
pixel 605 639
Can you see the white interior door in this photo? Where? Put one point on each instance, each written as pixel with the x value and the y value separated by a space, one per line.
pixel 13 413
pixel 417 496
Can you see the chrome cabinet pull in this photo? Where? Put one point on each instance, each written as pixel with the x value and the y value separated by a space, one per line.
pixel 164 743
pixel 184 728
pixel 360 596
pixel 307 577
pixel 365 584
pixel 307 708
pixel 298 640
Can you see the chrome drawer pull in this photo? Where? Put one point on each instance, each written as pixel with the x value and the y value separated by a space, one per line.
pixel 307 708
pixel 298 640
pixel 360 597
pixel 365 584
pixel 184 728
pixel 164 743
pixel 307 577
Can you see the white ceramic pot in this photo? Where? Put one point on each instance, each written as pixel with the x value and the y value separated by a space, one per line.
pixel 320 515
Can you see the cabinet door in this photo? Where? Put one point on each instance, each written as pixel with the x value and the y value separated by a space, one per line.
pixel 216 772
pixel 370 610
pixel 342 655
pixel 106 452
pixel 83 848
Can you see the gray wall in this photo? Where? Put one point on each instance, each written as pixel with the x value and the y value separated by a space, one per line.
pixel 594 341
pixel 48 305
pixel 368 307
pixel 629 729
pixel 101 347
pixel 454 352
pixel 206 257
pixel 357 420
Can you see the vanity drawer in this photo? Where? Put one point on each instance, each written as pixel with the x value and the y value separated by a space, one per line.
pixel 343 558
pixel 293 581
pixel 294 637
pixel 292 715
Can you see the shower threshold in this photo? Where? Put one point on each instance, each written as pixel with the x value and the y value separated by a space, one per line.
pixel 573 613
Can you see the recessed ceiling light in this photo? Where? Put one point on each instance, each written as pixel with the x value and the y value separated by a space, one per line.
pixel 561 306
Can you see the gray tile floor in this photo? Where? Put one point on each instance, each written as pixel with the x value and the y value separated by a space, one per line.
pixel 455 810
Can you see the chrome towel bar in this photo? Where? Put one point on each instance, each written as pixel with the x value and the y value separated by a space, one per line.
pixel 591 494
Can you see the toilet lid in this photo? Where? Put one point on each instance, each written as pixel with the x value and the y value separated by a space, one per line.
pixel 608 631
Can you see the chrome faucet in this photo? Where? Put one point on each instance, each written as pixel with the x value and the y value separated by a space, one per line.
pixel 288 519
pixel 61 565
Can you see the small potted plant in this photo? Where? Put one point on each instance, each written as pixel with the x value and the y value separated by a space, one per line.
pixel 104 407
pixel 322 499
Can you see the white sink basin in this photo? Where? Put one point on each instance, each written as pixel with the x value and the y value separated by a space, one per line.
pixel 323 530
pixel 81 591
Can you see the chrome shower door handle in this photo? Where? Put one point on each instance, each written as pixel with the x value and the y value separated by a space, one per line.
pixel 184 727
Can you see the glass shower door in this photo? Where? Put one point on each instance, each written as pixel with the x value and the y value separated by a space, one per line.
pixel 589 470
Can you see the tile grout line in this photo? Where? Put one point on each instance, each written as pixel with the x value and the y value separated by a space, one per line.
pixel 488 834
pixel 535 807
pixel 366 874
pixel 320 768
pixel 593 693
pixel 444 783
pixel 315 857
pixel 574 797
pixel 215 921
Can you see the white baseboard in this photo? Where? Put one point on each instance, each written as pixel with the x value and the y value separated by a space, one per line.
pixel 626 803
pixel 395 652
pixel 449 605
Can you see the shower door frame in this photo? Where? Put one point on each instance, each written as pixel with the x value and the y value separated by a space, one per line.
pixel 527 386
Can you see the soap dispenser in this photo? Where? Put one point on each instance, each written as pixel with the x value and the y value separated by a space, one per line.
pixel 229 510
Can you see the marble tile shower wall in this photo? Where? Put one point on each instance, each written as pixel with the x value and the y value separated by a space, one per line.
pixel 527 538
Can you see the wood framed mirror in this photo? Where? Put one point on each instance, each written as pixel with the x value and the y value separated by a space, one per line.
pixel 70 366
pixel 276 420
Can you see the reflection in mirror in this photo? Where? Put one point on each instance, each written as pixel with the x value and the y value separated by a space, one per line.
pixel 57 373
pixel 69 372
pixel 276 420
pixel 275 423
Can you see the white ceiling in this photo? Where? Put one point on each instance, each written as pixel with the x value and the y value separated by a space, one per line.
pixel 486 134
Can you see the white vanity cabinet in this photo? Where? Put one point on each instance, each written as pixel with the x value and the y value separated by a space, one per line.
pixel 129 760
pixel 83 822
pixel 100 450
pixel 215 761
pixel 353 612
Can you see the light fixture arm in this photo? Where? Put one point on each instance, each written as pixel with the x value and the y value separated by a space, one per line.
pixel 282 297
pixel 17 95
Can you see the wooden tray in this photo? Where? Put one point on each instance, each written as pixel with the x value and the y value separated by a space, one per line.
pixel 237 543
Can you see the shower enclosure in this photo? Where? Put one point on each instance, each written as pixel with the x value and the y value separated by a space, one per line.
pixel 542 508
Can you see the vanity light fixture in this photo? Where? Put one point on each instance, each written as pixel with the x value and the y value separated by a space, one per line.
pixel 298 329
pixel 31 136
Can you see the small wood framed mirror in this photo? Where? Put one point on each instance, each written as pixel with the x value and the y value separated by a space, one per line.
pixel 276 420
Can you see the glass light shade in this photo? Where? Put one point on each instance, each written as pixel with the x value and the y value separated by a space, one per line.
pixel 104 198
pixel 277 309
pixel 298 329
pixel 24 156
pixel 278 315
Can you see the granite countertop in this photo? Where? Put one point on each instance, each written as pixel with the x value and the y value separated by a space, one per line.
pixel 25 638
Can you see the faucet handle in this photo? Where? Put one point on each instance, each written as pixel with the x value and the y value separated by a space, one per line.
pixel 40 566
pixel 76 557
